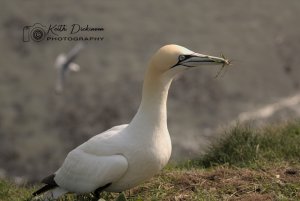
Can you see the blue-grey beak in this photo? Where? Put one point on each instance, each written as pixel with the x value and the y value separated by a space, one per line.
pixel 196 59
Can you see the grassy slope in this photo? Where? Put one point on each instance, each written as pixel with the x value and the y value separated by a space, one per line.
pixel 246 165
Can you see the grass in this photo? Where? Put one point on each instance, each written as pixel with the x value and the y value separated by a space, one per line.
pixel 244 147
pixel 11 192
pixel 246 165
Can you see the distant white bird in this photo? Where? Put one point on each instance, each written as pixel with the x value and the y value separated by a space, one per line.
pixel 126 155
pixel 65 63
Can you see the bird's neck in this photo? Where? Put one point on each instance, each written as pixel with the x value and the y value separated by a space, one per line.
pixel 153 107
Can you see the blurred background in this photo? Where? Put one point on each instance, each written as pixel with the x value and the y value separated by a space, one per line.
pixel 38 127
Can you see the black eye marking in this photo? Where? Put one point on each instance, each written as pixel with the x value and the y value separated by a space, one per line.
pixel 181 57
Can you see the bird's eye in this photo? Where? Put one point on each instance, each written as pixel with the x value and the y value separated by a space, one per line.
pixel 181 58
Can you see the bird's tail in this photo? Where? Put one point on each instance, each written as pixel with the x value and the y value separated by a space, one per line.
pixel 51 194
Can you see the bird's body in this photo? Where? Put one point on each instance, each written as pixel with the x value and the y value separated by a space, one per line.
pixel 118 159
pixel 126 155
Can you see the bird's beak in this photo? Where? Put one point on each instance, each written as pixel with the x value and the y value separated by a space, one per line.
pixel 196 59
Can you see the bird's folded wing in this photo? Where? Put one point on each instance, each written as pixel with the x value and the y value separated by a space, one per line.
pixel 82 172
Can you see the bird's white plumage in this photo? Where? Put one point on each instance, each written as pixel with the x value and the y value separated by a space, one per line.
pixel 126 155
pixel 93 164
pixel 115 156
pixel 83 172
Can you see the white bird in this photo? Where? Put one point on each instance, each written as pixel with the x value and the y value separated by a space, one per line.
pixel 127 155
pixel 64 63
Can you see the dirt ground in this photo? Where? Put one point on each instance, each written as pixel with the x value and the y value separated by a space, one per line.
pixel 226 183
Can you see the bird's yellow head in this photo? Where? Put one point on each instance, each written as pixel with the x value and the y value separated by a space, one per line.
pixel 172 59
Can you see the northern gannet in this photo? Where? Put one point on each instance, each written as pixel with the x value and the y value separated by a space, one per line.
pixel 64 63
pixel 126 155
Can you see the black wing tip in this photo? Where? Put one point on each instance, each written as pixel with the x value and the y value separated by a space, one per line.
pixel 43 189
pixel 49 180
pixel 50 184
